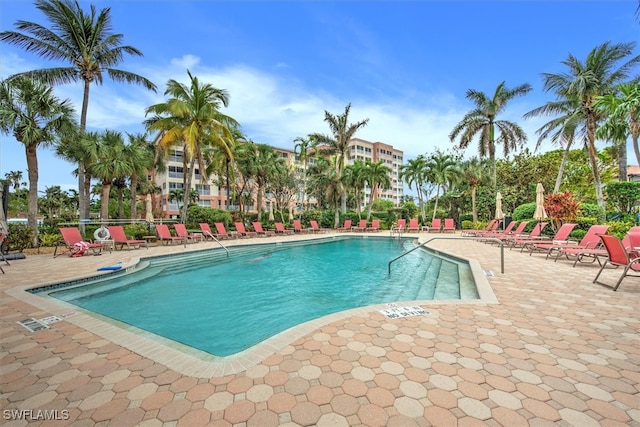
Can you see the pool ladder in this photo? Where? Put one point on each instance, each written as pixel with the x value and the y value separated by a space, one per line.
pixel 456 238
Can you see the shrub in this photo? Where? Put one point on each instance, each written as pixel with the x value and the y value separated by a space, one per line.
pixel 198 214
pixel 619 228
pixel 50 239
pixel 467 225
pixel 524 212
pixel 20 237
pixel 591 210
pixel 136 231
pixel 561 207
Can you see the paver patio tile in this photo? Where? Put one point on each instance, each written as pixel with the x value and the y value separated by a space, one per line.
pixel 263 418
pixel 306 413
pixel 380 397
pixel 110 410
pixel 174 410
pixel 319 394
pixel 195 418
pixel 281 402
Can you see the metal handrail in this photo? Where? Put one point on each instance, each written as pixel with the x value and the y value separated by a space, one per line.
pixel 218 242
pixel 455 238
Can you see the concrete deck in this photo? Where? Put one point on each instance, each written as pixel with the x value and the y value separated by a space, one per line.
pixel 555 349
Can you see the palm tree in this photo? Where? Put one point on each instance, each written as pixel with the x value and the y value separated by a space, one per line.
pixel 36 118
pixel 140 153
pixel 260 162
pixel 474 171
pixel 338 144
pixel 605 67
pixel 86 42
pixel 355 178
pixel 301 148
pixel 15 179
pixel 111 163
pixel 442 170
pixel 377 175
pixel 483 121
pixel 191 117
pixel 562 130
pixel 414 173
pixel 623 112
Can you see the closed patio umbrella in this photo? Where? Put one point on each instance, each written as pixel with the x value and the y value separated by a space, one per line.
pixel 499 214
pixel 540 213
pixel 149 208
pixel 271 217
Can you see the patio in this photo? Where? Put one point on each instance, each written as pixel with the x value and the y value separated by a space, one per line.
pixel 555 350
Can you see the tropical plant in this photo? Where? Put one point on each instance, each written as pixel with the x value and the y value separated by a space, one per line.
pixel 474 172
pixel 377 176
pixel 191 118
pixel 561 207
pixel 623 119
pixel 337 143
pixel 86 42
pixel 14 179
pixel 625 196
pixel 414 174
pixel 35 117
pixel 301 149
pixel 482 121
pixel 442 170
pixel 355 178
pixel 606 66
pixel 140 153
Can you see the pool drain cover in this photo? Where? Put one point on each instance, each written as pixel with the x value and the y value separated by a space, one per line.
pixel 33 325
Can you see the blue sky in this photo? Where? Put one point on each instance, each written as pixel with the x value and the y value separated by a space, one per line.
pixel 404 65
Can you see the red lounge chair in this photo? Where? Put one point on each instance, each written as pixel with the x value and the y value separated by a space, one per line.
pixel 165 235
pixel 498 234
pixel 257 225
pixel 72 240
pixel 449 225
pixel 413 225
pixel 362 226
pixel 281 230
pixel 519 241
pixel 181 231
pixel 3 237
pixel 120 238
pixel 206 231
pixel 316 229
pixel 375 225
pixel 346 226
pixel 223 233
pixel 436 224
pixel 618 256
pixel 561 237
pixel 297 227
pixel 240 228
pixel 491 227
pixel 517 233
pixel 594 250
pixel 591 240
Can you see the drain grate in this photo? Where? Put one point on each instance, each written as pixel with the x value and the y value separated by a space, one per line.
pixel 488 273
pixel 33 325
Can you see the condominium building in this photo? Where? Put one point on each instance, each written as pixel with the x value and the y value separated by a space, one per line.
pixel 214 196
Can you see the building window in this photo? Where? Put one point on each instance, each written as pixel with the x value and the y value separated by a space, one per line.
pixel 176 172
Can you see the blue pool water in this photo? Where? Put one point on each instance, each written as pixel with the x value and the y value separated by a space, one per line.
pixel 226 306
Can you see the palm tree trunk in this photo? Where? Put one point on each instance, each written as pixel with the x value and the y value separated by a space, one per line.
pixel 134 197
pixel 634 125
pixel 593 158
pixel 474 209
pixel 622 161
pixel 563 163
pixel 435 205
pixel 32 209
pixel 84 187
pixel 187 190
pixel 104 201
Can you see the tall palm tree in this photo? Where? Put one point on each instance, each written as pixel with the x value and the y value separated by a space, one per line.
pixel 377 176
pixel 141 156
pixel 110 163
pixel 36 118
pixel 355 178
pixel 606 66
pixel 86 42
pixel 260 162
pixel 15 179
pixel 483 121
pixel 301 149
pixel 623 112
pixel 414 173
pixel 338 144
pixel 442 170
pixel 474 172
pixel 191 117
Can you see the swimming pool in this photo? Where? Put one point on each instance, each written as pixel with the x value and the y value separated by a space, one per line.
pixel 225 306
